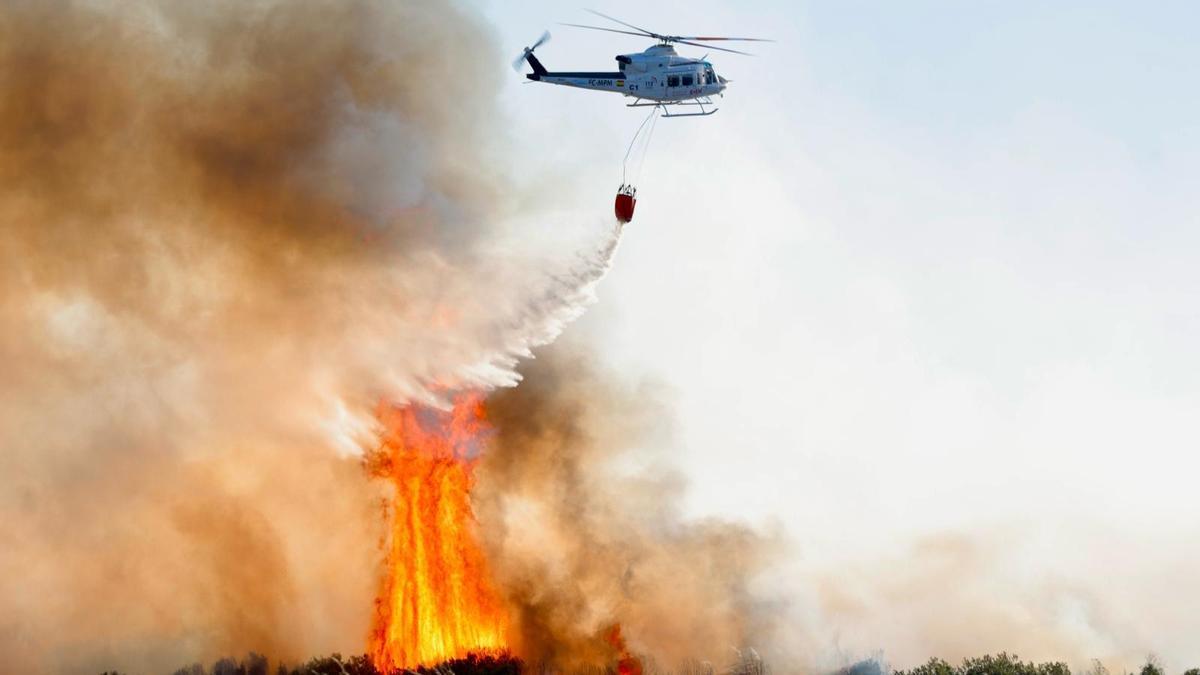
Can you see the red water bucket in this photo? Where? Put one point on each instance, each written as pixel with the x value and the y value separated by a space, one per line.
pixel 624 205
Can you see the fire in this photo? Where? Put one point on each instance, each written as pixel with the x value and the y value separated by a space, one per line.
pixel 437 600
pixel 627 663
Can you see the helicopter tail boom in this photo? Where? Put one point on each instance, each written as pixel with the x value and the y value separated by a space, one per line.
pixel 538 69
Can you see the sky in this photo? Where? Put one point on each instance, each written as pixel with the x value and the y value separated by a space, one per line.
pixel 929 275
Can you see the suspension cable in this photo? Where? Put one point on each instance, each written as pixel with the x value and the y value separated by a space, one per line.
pixel 625 161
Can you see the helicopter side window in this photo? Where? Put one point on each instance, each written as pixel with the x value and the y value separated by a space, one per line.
pixel 672 80
pixel 687 80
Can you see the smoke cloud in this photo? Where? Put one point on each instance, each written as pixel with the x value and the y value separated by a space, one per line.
pixel 229 229
pixel 584 530
pixel 1005 588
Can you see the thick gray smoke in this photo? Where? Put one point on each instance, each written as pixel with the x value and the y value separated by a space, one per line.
pixel 229 229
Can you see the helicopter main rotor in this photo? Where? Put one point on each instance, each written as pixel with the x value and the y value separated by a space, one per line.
pixel 668 39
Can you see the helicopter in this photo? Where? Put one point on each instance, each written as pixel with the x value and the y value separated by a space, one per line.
pixel 657 77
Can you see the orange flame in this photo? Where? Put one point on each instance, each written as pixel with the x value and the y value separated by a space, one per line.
pixel 627 663
pixel 436 600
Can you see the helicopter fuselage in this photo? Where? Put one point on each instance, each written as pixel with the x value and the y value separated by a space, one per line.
pixel 657 74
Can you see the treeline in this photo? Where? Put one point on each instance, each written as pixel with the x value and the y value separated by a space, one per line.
pixel 747 664
pixel 1006 664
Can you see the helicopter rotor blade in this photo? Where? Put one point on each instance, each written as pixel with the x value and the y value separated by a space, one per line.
pixel 681 39
pixel 723 49
pixel 610 30
pixel 627 25
pixel 693 37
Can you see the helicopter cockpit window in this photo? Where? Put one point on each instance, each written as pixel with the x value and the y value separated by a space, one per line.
pixel 709 76
pixel 687 80
pixel 672 80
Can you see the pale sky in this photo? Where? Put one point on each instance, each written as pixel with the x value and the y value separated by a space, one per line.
pixel 932 269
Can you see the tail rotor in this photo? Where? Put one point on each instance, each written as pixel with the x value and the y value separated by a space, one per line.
pixel 516 64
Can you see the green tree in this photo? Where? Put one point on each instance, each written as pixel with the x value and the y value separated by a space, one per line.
pixel 933 667
pixel 227 667
pixel 1053 668
pixel 1152 667
pixel 1001 664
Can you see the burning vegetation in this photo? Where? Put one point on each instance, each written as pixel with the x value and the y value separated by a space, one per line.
pixel 437 600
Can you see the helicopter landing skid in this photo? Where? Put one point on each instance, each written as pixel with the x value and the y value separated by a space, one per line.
pixel 666 107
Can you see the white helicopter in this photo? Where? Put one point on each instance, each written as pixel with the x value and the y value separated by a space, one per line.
pixel 657 77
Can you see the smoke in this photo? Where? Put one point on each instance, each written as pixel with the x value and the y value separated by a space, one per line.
pixel 1006 588
pixel 584 531
pixel 229 229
